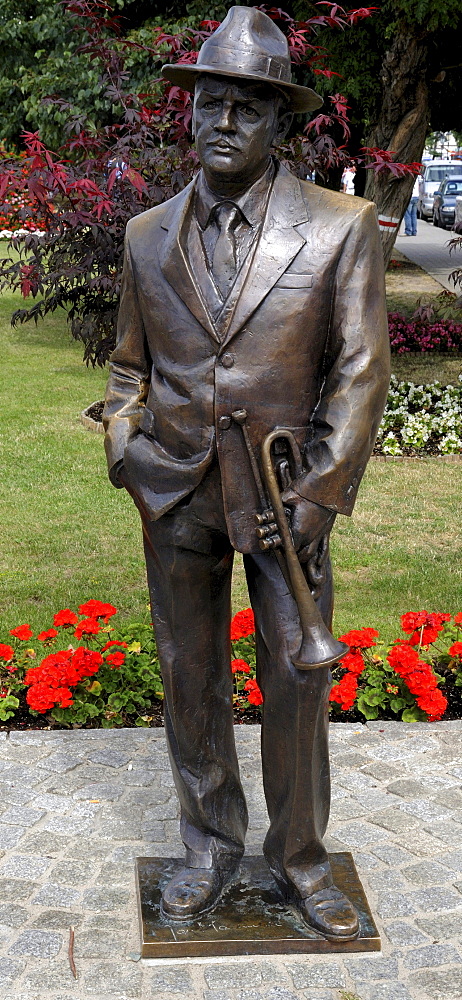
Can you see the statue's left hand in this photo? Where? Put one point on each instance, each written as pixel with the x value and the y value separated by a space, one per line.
pixel 308 522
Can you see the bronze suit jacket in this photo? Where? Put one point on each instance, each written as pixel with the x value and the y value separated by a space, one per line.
pixel 304 346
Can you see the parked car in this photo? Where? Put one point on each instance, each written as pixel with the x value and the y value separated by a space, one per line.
pixel 433 174
pixel 444 201
pixel 458 215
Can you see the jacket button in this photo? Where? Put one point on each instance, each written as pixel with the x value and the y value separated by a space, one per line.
pixel 224 423
pixel 227 360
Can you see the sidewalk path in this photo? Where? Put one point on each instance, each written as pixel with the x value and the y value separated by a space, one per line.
pixel 77 807
pixel 429 250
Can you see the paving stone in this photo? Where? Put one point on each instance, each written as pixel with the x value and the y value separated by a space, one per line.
pixel 394 820
pixel 422 844
pixel 115 874
pixel 438 985
pixel 431 956
pixel 372 967
pixel 58 919
pixel 387 879
pixel 22 816
pixel 74 827
pixel 408 788
pixel 99 943
pixel 73 871
pixel 366 862
pixel 383 772
pixel 12 890
pixel 450 797
pixel 52 802
pixel 395 904
pixel 45 977
pixel 442 927
pixel 121 978
pixel 16 796
pixel 357 834
pixel 400 933
pixel 100 790
pixel 233 976
pixel 171 980
pixel 392 855
pixel 88 849
pixel 44 843
pixel 9 970
pixel 383 991
pixel 56 895
pixel 326 974
pixel 10 836
pixel 425 809
pixel 13 916
pixel 38 944
pixel 18 775
pixel 427 873
pixel 60 762
pixel 436 898
pixel 105 920
pixel 105 898
pixel 345 809
pixel 445 830
pixel 109 757
pixel 20 866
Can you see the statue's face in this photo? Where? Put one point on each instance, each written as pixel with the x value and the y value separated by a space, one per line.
pixel 235 126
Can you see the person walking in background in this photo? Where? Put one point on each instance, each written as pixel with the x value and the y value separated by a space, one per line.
pixel 410 215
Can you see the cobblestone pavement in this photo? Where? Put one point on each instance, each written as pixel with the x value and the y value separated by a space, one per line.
pixel 429 249
pixel 76 808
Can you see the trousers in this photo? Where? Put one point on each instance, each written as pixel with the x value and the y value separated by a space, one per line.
pixel 189 562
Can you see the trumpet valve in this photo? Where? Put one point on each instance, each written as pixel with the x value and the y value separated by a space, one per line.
pixel 265 517
pixel 273 542
pixel 267 529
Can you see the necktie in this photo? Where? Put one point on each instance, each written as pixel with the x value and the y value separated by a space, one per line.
pixel 224 255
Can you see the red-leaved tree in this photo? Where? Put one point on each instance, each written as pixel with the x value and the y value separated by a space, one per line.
pixel 75 203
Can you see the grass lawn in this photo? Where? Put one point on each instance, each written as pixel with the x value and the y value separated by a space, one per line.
pixel 66 535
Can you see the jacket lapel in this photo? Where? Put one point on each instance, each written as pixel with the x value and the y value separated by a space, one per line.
pixel 278 245
pixel 174 263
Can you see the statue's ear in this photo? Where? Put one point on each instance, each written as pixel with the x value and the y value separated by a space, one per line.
pixel 284 122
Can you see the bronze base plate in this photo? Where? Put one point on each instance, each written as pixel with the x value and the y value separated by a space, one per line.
pixel 250 918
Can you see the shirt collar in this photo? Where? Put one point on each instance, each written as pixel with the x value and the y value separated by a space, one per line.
pixel 251 202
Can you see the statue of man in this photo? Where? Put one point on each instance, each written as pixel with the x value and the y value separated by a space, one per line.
pixel 249 291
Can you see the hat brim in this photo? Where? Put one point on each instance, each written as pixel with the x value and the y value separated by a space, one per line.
pixel 301 99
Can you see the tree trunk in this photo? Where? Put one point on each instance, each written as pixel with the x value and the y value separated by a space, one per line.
pixel 401 128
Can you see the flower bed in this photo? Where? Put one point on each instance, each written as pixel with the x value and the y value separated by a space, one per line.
pixel 83 672
pixel 421 420
pixel 420 335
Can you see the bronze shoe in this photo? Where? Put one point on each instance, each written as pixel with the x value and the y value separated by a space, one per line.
pixel 331 914
pixel 192 892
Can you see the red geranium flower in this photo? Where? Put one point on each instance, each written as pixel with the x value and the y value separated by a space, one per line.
pixel 6 652
pixel 353 662
pixel 345 691
pixel 114 642
pixel 22 632
pixel 254 695
pixel 362 638
pixel 50 633
pixel 242 625
pixel 97 609
pixel 86 661
pixel 115 659
pixel 240 666
pixel 425 626
pixel 458 618
pixel 40 697
pixel 65 617
pixel 454 650
pixel 88 626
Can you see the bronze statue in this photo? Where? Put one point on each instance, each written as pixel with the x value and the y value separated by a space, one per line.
pixel 252 302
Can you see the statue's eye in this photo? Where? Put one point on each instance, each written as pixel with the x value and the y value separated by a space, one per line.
pixel 210 105
pixel 248 111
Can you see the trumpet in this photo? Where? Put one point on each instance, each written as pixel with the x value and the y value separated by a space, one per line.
pixel 318 647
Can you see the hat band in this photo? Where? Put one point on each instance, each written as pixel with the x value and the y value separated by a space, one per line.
pixel 248 62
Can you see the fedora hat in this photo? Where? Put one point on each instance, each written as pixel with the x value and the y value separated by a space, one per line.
pixel 247 45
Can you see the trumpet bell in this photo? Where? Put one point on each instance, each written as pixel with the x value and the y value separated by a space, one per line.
pixel 319 649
